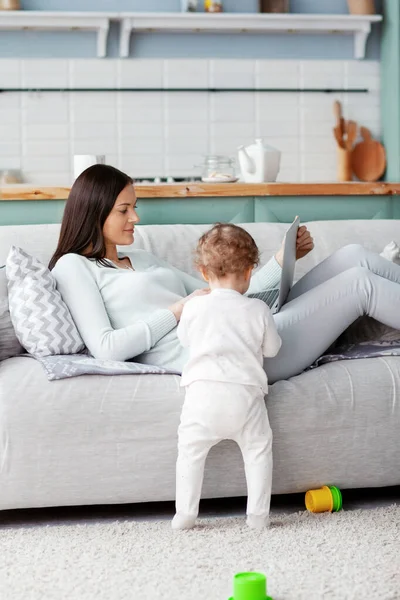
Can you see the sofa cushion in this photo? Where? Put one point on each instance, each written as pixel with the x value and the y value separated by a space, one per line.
pixel 9 344
pixel 41 319
pixel 97 440
pixel 161 240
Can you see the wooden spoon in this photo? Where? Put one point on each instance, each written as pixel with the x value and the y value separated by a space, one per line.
pixel 337 111
pixel 338 136
pixel 351 131
pixel 368 159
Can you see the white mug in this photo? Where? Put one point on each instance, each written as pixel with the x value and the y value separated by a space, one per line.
pixel 83 161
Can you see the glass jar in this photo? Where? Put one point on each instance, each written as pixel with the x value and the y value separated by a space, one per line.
pixel 218 169
pixel 213 6
pixel 10 177
pixel 189 5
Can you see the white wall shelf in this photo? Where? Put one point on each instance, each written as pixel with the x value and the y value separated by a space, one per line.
pixel 59 21
pixel 357 25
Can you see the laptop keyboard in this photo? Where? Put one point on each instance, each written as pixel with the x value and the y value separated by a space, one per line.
pixel 268 296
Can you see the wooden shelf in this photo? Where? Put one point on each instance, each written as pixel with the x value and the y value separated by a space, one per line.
pixel 357 25
pixel 200 190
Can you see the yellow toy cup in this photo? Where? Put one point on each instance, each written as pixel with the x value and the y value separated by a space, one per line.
pixel 326 498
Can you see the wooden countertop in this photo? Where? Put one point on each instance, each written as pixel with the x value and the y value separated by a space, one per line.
pixel 210 190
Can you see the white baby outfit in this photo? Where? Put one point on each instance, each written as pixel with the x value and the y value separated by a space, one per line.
pixel 227 335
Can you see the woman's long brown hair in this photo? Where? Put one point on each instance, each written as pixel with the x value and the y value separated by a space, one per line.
pixel 89 203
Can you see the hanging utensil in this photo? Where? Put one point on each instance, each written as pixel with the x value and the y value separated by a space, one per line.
pixel 338 136
pixel 340 123
pixel 351 134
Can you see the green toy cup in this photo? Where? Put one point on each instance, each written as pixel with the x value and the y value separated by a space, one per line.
pixel 336 497
pixel 250 586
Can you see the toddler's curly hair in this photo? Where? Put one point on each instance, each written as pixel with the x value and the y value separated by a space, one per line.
pixel 226 249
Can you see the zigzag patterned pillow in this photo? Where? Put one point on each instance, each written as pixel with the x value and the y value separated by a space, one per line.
pixel 9 344
pixel 41 319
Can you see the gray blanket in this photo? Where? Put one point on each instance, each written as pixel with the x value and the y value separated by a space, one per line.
pixel 368 349
pixel 71 365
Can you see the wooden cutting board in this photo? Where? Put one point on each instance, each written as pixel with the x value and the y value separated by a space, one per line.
pixel 368 159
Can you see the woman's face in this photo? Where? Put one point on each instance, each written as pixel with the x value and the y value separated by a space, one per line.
pixel 119 226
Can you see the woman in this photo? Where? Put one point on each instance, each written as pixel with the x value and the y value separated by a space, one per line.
pixel 128 306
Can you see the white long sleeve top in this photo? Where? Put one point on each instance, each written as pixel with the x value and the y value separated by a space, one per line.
pixel 123 314
pixel 227 335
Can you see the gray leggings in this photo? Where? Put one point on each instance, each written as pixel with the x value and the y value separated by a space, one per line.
pixel 350 283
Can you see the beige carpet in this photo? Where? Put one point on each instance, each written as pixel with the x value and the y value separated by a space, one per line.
pixel 348 555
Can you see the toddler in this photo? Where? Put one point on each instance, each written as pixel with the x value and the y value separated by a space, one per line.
pixel 227 335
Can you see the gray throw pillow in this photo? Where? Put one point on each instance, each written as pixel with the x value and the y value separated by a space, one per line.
pixel 41 319
pixel 9 344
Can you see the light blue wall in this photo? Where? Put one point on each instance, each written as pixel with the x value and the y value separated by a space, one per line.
pixel 76 45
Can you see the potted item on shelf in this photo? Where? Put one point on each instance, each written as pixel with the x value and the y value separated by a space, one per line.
pixel 189 5
pixel 274 6
pixel 361 7
pixel 213 6
pixel 10 5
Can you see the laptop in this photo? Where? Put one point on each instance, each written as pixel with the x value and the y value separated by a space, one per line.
pixel 276 297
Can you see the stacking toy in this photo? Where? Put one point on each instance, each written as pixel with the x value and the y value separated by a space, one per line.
pixel 250 586
pixel 326 498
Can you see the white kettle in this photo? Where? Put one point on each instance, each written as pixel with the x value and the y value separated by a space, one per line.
pixel 259 162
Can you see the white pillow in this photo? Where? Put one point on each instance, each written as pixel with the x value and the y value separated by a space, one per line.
pixel 41 319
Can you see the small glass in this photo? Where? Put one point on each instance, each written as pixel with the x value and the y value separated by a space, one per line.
pixel 218 169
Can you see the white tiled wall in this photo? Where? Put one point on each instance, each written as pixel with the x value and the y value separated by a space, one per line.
pixel 166 133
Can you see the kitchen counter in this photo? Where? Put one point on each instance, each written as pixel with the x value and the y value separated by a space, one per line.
pixel 212 190
pixel 197 202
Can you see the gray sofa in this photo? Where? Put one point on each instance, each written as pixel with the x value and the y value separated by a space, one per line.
pixel 96 439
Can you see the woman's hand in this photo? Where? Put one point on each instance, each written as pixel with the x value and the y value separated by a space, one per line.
pixel 304 245
pixel 304 242
pixel 177 308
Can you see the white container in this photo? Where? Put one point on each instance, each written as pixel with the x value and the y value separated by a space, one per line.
pixel 83 161
pixel 259 162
